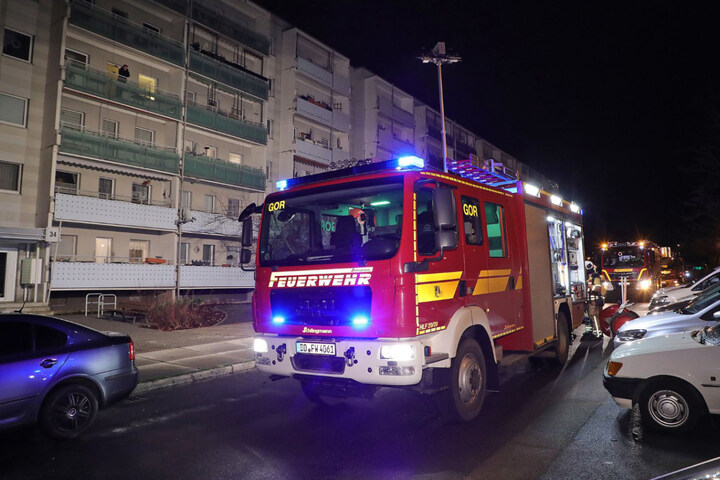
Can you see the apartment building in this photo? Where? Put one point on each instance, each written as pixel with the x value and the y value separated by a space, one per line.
pixel 133 134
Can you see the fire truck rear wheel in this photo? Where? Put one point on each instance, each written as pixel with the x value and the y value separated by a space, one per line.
pixel 562 348
pixel 468 381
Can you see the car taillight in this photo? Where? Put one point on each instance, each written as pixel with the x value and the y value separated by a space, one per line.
pixel 131 351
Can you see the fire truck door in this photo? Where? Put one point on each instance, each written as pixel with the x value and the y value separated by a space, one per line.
pixel 475 249
pixel 499 284
pixel 437 287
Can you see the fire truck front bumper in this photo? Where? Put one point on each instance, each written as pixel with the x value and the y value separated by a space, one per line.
pixel 389 362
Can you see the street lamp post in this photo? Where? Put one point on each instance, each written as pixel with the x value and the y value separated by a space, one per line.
pixel 438 56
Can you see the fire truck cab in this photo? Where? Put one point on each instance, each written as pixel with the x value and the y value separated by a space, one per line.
pixel 637 262
pixel 391 274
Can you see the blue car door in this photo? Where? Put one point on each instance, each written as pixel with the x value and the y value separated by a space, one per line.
pixel 24 373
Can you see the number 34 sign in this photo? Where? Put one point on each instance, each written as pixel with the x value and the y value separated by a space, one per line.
pixel 52 235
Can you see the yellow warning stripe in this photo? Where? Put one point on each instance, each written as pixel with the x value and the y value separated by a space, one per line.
pixel 507 332
pixel 432 292
pixel 545 340
pixel 464 182
pixel 437 277
pixel 495 281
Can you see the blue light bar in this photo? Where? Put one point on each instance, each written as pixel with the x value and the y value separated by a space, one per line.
pixel 278 320
pixel 281 184
pixel 360 321
pixel 410 161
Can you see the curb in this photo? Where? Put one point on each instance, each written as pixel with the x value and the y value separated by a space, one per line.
pixel 194 377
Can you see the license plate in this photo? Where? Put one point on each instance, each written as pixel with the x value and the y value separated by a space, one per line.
pixel 316 348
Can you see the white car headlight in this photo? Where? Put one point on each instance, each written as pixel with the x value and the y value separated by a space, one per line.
pixel 398 351
pixel 645 284
pixel 260 345
pixel 630 335
pixel 660 300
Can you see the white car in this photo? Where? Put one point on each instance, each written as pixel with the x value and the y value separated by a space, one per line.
pixel 676 294
pixel 674 379
pixel 697 313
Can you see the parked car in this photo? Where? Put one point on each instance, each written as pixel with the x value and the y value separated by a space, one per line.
pixel 674 379
pixel 58 373
pixel 687 291
pixel 707 470
pixel 689 315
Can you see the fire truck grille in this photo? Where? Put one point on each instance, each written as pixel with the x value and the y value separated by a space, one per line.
pixel 324 306
pixel 314 363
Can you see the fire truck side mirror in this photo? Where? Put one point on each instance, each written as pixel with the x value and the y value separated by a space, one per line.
pixel 445 218
pixel 247 232
pixel 245 255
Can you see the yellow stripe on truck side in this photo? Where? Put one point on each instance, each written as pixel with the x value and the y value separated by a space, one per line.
pixel 432 287
pixel 495 281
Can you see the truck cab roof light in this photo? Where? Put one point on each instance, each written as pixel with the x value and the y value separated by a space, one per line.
pixel 555 200
pixel 410 161
pixel 281 184
pixel 575 208
pixel 532 190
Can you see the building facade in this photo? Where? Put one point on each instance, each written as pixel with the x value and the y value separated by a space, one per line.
pixel 134 133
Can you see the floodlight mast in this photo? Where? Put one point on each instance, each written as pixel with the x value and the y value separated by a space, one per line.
pixel 438 55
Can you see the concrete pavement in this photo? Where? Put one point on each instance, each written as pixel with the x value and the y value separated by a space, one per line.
pixel 182 356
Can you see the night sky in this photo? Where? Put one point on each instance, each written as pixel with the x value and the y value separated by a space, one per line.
pixel 612 100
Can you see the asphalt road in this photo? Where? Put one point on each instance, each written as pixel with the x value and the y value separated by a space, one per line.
pixel 546 422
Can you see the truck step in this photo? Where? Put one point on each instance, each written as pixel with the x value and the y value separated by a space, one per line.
pixel 508 360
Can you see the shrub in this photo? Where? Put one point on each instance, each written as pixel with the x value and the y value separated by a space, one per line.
pixel 186 312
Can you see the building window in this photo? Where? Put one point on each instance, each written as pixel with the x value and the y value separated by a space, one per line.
pixel 151 28
pixel 103 250
pixel 78 59
pixel 139 250
pixel 106 188
pixel 268 170
pixel 209 203
pixel 66 248
pixel 235 158
pixel 186 200
pixel 147 83
pixel 190 97
pixel 10 177
pixel 184 253
pixel 143 136
pixel 270 128
pixel 67 182
pixel 209 255
pixel 72 119
pixel 13 110
pixel 141 193
pixel 471 221
pixel 211 151
pixel 109 128
pixel 233 208
pixel 18 45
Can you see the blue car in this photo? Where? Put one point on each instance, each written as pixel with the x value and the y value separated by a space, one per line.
pixel 58 373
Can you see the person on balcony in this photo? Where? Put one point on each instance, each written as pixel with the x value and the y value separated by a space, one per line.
pixel 123 73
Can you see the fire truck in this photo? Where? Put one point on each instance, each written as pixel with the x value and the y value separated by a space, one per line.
pixel 638 262
pixel 392 274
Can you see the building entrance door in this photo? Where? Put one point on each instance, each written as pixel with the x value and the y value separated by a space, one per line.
pixel 8 272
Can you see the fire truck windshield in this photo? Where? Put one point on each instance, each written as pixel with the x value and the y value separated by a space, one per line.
pixel 623 257
pixel 338 223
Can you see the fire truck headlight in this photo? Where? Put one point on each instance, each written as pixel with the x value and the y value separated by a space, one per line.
pixel 260 345
pixel 399 351
pixel 645 284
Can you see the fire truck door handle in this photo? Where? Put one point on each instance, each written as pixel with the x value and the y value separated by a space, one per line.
pixel 512 283
pixel 462 288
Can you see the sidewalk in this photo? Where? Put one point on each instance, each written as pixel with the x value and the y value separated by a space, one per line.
pixel 182 356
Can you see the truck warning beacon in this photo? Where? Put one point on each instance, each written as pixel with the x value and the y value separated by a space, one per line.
pixel 394 274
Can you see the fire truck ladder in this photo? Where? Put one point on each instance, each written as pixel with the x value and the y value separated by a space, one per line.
pixel 496 175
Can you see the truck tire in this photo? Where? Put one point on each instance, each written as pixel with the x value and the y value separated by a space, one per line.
pixel 671 406
pixel 463 400
pixel 562 346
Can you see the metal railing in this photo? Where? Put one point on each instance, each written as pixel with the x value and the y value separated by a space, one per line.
pixel 230 74
pixel 103 300
pixel 209 168
pixel 111 196
pixel 223 122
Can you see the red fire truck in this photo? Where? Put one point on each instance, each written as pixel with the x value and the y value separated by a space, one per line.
pixel 391 274
pixel 638 262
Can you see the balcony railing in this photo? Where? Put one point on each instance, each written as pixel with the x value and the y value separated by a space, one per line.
pixel 121 30
pixel 110 274
pixel 221 122
pixel 95 82
pixel 86 209
pixel 179 6
pixel 224 25
pixel 91 144
pixel 230 74
pixel 218 170
pixel 313 150
pixel 194 276
pixel 213 223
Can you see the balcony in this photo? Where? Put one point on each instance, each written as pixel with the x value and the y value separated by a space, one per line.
pixel 86 207
pixel 179 6
pixel 224 25
pixel 230 74
pixel 93 145
pixel 101 84
pixel 213 224
pixel 312 150
pixel 88 275
pixel 314 110
pixel 465 150
pixel 195 276
pixel 388 109
pixel 340 121
pixel 104 23
pixel 221 122
pixel 218 170
pixel 314 71
pixel 340 155
pixel 341 84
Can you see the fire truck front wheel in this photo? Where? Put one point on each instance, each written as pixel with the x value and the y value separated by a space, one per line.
pixel 463 400
pixel 562 345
